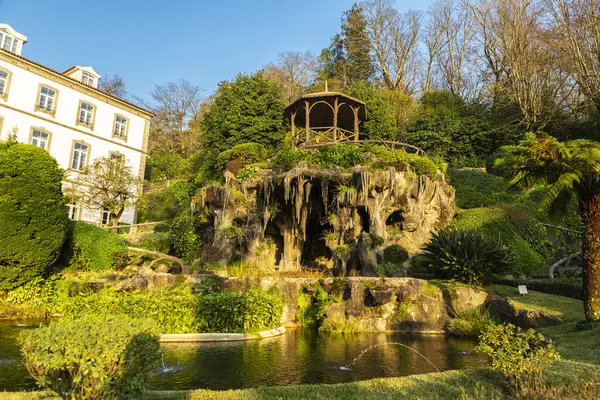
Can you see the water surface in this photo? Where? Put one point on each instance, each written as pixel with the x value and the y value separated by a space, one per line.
pixel 297 357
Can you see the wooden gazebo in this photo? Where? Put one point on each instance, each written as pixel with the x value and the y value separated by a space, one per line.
pixel 325 118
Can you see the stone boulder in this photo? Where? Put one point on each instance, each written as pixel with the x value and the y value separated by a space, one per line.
pixel 135 282
pixel 502 309
pixel 463 298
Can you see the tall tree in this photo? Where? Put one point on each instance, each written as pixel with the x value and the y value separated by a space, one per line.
pixel 249 109
pixel 571 168
pixel 356 46
pixel 113 85
pixel 393 39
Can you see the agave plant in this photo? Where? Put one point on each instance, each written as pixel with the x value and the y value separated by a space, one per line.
pixel 465 257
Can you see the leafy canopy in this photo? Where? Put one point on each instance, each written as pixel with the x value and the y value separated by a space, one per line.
pixel 566 167
pixel 249 109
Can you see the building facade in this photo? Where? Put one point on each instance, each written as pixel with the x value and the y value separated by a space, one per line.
pixel 67 115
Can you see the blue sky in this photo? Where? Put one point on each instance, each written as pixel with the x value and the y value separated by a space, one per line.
pixel 149 42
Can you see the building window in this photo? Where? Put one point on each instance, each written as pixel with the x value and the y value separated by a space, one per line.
pixel 106 217
pixel 120 128
pixel 4 83
pixel 8 43
pixel 80 156
pixel 47 100
pixel 87 79
pixel 118 161
pixel 86 115
pixel 73 211
pixel 40 138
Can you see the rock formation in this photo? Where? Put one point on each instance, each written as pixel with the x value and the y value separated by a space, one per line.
pixel 315 216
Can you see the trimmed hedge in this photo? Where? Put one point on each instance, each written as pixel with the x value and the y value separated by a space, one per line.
pixel 91 248
pixel 571 290
pixel 93 357
pixel 33 216
pixel 498 223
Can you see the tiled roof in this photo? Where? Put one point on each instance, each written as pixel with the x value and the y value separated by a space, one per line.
pixel 79 82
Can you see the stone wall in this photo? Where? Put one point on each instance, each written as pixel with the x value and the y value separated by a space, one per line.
pixel 378 304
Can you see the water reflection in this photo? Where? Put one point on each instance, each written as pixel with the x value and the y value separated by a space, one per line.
pixel 299 356
pixel 304 356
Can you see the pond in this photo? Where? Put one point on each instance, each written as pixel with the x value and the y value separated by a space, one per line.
pixel 297 357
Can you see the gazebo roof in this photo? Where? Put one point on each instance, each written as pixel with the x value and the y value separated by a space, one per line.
pixel 329 98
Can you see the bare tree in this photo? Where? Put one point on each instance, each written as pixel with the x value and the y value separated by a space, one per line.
pixel 294 71
pixel 433 44
pixel 518 54
pixel 113 85
pixel 175 104
pixel 454 24
pixel 394 39
pixel 489 46
pixel 111 186
pixel 575 28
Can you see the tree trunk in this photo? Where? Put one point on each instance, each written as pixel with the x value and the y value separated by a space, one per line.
pixel 590 215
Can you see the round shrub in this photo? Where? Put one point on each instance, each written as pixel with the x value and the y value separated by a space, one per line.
pixel 395 254
pixel 521 356
pixel 186 236
pixel 465 257
pixel 33 216
pixel 244 154
pixel 93 357
pixel 91 248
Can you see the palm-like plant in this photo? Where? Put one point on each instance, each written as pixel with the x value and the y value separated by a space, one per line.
pixel 569 168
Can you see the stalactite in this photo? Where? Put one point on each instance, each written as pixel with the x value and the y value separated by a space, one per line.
pixel 325 193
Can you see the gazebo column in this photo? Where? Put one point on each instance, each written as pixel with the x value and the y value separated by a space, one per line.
pixel 307 108
pixel 293 121
pixel 335 119
pixel 356 122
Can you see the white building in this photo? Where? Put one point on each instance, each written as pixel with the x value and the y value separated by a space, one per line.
pixel 66 114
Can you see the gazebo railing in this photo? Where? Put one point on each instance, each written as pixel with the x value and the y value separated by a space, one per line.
pixel 324 137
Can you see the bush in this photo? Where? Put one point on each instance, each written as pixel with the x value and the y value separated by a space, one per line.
pixel 521 356
pixel 465 257
pixel 342 155
pixel 395 254
pixel 33 220
pixel 470 323
pixel 495 223
pixel 287 158
pixel 245 154
pixel 341 325
pixel 91 248
pixel 93 357
pixel 166 166
pixel 180 311
pixel 253 310
pixel 186 236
